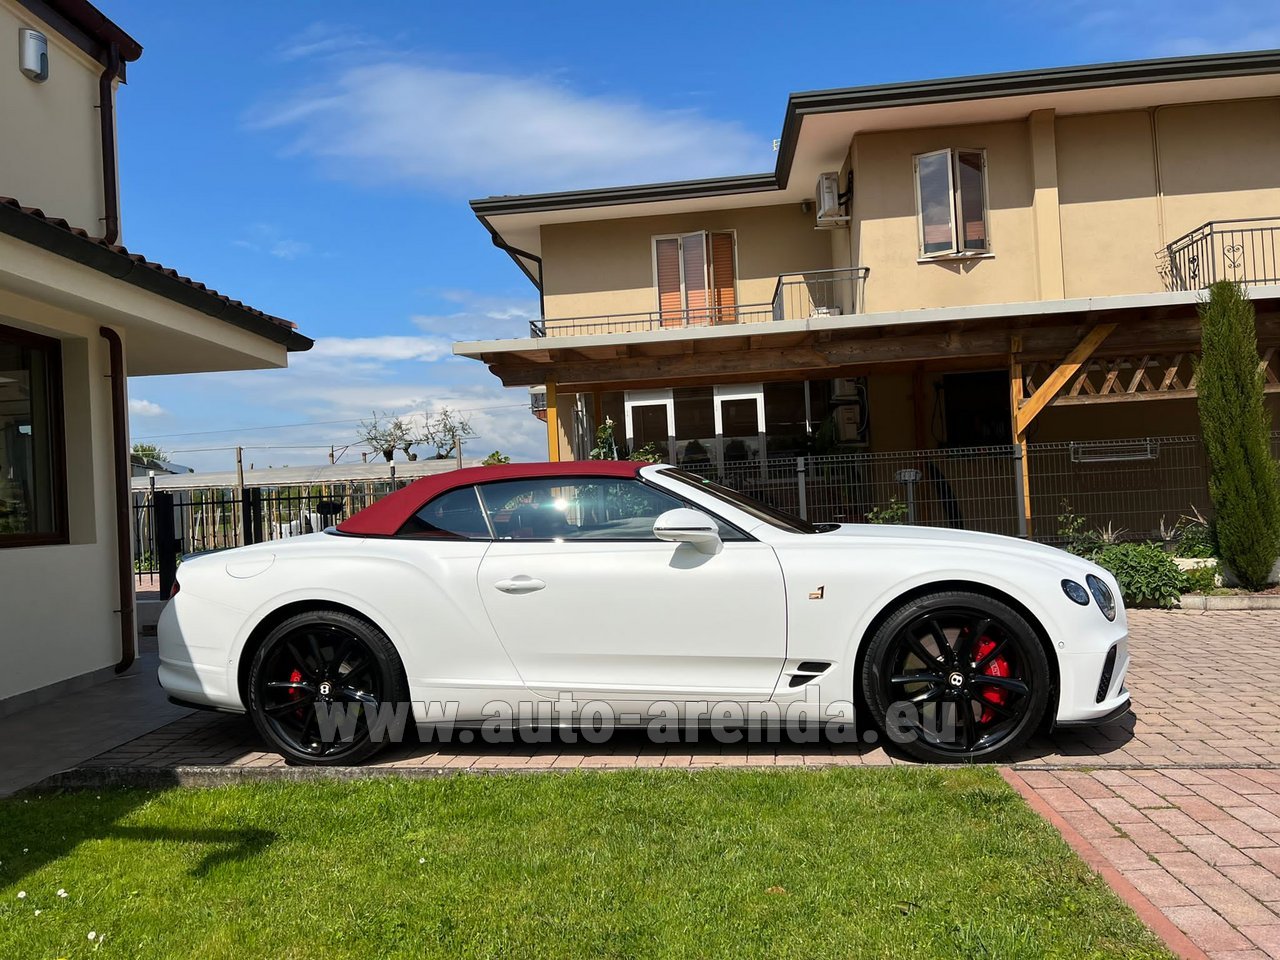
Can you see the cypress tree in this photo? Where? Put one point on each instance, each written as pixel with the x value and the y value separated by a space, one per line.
pixel 1244 486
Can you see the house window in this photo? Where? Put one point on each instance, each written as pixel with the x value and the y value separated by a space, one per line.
pixel 32 481
pixel 696 277
pixel 951 202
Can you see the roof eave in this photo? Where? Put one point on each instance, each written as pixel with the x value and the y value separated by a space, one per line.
pixel 61 239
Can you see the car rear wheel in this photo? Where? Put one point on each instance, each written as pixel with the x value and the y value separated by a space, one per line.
pixel 324 664
pixel 956 677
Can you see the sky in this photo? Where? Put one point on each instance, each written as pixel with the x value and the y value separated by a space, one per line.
pixel 314 159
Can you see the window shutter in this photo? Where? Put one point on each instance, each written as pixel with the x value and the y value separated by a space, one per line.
pixel 723 278
pixel 693 251
pixel 670 295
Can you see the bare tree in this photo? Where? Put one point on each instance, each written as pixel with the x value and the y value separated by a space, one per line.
pixel 446 431
pixel 387 435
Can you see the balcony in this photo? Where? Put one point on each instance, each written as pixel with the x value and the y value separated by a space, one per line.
pixel 796 296
pixel 1240 250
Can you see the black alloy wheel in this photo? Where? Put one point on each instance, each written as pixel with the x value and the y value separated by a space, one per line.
pixel 330 661
pixel 956 677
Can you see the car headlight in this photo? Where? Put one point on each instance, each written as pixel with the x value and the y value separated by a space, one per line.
pixel 1075 592
pixel 1102 593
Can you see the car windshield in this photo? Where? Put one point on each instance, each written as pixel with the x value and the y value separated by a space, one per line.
pixel 761 511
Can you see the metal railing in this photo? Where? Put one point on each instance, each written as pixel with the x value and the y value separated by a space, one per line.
pixel 796 296
pixel 1244 251
pixel 819 293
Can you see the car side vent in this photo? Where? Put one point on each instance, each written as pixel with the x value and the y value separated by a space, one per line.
pixel 807 671
pixel 1104 682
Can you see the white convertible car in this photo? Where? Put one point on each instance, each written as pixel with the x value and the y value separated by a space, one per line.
pixel 626 585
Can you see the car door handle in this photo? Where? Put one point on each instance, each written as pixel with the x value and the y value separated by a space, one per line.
pixel 521 584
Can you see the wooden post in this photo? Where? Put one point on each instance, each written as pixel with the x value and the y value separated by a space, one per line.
pixel 1023 479
pixel 553 424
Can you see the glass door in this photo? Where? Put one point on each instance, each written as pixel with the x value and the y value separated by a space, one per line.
pixel 739 422
pixel 650 419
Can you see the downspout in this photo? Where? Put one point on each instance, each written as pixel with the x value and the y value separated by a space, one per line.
pixel 120 465
pixel 107 118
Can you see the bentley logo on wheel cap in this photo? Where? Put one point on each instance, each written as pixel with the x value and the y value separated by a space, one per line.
pixel 326 688
pixel 956 679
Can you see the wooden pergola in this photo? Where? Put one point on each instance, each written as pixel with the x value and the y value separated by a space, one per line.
pixel 1107 350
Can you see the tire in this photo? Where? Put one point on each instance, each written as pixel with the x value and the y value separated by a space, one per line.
pixel 952 654
pixel 323 657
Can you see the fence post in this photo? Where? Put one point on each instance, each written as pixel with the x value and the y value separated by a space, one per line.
pixel 801 491
pixel 251 516
pixel 166 541
pixel 1022 500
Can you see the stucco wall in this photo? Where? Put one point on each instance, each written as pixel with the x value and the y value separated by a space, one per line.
pixel 606 266
pixel 1218 161
pixel 50 152
pixel 884 228
pixel 59 619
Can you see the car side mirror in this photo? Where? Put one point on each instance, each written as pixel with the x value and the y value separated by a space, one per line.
pixel 683 525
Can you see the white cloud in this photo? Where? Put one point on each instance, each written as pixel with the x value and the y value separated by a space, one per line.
pixel 380 349
pixel 144 408
pixel 293 416
pixel 1169 27
pixel 480 317
pixel 267 238
pixel 413 122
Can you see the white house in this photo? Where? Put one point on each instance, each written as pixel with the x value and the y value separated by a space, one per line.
pixel 78 314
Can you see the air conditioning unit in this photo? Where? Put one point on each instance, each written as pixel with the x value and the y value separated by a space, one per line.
pixel 830 211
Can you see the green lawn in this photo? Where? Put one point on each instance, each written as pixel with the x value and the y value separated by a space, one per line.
pixel 891 863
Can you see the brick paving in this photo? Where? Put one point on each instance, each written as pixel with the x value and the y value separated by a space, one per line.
pixel 1206 690
pixel 1181 800
pixel 1201 845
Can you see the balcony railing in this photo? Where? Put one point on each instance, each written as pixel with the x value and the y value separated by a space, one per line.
pixel 1244 251
pixel 796 296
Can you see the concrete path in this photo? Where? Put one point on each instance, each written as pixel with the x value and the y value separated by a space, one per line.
pixel 63 733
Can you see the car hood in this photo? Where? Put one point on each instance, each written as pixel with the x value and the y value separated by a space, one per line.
pixel 951 540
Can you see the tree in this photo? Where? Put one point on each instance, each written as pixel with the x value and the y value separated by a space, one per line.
pixel 1243 483
pixel 386 436
pixel 149 451
pixel 446 431
pixel 495 459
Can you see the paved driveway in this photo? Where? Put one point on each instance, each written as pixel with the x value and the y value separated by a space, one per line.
pixel 1206 689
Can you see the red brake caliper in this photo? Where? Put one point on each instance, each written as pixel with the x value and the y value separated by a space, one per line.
pixel 295 677
pixel 998 667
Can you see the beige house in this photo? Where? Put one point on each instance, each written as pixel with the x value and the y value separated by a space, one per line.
pixel 78 314
pixel 1006 263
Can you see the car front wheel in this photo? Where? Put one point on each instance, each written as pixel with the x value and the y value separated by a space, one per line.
pixel 956 677
pixel 315 682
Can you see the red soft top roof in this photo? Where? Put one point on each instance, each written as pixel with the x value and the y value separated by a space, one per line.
pixel 388 515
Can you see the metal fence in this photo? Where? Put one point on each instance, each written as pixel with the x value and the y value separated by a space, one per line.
pixel 974 488
pixel 168 524
pixel 1138 489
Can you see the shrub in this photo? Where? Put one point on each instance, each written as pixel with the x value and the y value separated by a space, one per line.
pixel 1195 539
pixel 495 459
pixel 1202 579
pixel 1243 483
pixel 894 512
pixel 1147 575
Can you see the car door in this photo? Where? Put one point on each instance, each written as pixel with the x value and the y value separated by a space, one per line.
pixel 587 600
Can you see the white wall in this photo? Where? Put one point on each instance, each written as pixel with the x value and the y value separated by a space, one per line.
pixel 59 602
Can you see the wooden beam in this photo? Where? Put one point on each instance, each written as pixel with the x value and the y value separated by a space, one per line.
pixel 1019 436
pixel 1029 409
pixel 553 424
